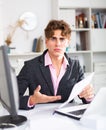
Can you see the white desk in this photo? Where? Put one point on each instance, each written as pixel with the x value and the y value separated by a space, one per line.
pixel 42 118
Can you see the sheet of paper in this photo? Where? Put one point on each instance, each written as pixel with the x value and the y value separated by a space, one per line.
pixel 77 89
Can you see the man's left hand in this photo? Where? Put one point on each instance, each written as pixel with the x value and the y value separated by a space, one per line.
pixel 87 93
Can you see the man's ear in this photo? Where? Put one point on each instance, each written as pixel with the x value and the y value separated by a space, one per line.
pixel 46 41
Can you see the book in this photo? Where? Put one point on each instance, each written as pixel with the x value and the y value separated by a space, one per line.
pixel 34 45
pixel 97 19
pixel 100 19
pixel 104 21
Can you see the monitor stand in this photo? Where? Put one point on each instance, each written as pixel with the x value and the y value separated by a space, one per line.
pixel 9 121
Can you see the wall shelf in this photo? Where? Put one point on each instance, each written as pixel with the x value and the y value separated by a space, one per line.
pixel 88 43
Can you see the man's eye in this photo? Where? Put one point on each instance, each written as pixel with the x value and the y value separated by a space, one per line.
pixel 53 38
pixel 62 39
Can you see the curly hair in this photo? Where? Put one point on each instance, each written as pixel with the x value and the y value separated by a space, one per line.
pixel 57 25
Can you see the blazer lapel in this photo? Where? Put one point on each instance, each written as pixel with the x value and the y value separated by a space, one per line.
pixel 46 73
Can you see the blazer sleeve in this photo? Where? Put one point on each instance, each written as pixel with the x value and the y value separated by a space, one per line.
pixel 23 82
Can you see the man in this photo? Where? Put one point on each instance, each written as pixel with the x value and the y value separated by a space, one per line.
pixel 51 76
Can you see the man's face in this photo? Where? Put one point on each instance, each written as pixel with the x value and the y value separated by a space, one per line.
pixel 57 44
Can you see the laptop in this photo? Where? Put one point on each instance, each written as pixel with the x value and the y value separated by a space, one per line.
pixel 87 112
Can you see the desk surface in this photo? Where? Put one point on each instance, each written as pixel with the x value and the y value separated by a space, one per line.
pixel 42 118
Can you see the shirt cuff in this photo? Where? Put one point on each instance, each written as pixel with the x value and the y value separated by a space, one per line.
pixel 28 104
pixel 89 99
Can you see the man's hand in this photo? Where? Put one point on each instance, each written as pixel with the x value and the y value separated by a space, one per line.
pixel 87 93
pixel 38 97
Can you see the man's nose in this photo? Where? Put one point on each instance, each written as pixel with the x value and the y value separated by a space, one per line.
pixel 58 42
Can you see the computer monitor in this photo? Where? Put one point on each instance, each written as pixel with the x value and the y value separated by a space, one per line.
pixel 9 96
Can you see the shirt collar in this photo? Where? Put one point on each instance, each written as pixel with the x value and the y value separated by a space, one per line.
pixel 49 62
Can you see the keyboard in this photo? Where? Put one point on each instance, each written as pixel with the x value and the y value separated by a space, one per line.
pixel 78 112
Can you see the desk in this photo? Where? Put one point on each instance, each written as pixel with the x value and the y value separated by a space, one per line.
pixel 42 118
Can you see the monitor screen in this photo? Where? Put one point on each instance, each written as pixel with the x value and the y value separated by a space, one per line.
pixel 6 84
pixel 8 91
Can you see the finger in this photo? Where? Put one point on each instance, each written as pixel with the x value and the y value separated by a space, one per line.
pixel 87 94
pixel 50 98
pixel 88 88
pixel 38 88
pixel 53 98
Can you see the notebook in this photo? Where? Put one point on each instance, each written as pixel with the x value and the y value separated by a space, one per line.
pixel 86 113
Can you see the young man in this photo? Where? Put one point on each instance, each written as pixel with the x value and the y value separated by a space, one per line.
pixel 51 76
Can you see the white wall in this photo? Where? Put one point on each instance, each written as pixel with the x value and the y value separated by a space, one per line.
pixel 1 25
pixel 12 9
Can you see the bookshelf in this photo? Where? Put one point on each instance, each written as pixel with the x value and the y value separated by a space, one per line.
pixel 88 40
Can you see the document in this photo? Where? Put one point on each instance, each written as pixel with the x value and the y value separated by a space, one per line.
pixel 77 89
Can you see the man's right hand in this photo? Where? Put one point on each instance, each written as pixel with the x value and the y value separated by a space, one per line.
pixel 38 97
